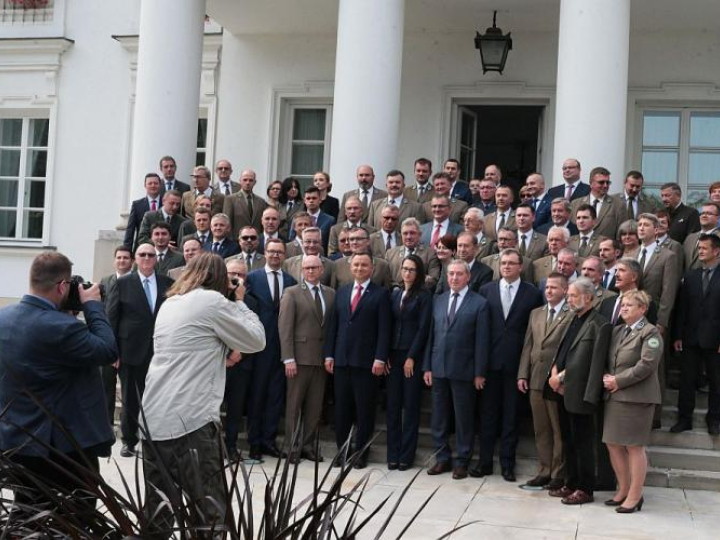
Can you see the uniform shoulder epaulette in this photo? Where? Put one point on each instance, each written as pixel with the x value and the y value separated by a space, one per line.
pixel 496 257
pixel 640 325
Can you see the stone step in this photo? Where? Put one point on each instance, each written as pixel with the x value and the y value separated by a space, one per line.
pixel 689 459
pixel 679 478
pixel 694 439
pixel 670 416
pixel 670 398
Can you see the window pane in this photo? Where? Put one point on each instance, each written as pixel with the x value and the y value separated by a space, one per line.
pixel 309 125
pixel 467 130
pixel 39 131
pixel 661 129
pixel 32 224
pixel 7 223
pixel 307 159
pixel 10 132
pixel 704 168
pixel 652 192
pixel 202 134
pixel 37 163
pixel 466 162
pixel 34 194
pixel 9 162
pixel 8 192
pixel 705 130
pixel 695 197
pixel 660 167
pixel 199 159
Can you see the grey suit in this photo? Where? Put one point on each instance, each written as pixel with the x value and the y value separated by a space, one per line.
pixel 172 259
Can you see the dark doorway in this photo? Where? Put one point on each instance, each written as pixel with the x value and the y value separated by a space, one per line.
pixel 504 135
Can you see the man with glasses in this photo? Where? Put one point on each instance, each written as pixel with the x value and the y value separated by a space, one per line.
pixel 201 178
pixel 305 314
pixel 609 213
pixel 312 246
pixel 360 243
pixel 249 242
pixel 387 237
pixel 487 196
pixel 57 358
pixel 474 222
pixel 441 188
pixel 572 187
pixel 267 286
pixel 345 250
pixel 441 223
pixel 226 186
pixel 132 308
pixel 352 215
pixel 709 214
pixel 507 239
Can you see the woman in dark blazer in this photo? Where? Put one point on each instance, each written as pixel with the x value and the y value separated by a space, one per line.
pixel 328 204
pixel 411 309
pixel 633 390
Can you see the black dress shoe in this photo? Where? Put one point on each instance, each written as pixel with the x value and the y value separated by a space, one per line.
pixel 460 473
pixel 682 425
pixel 480 472
pixel 714 429
pixel 538 481
pixel 439 468
pixel 404 466
pixel 339 461
pixel 361 463
pixel 127 450
pixel 272 451
pixel 310 455
pixel 392 466
pixel 294 458
pixel 632 509
pixel 255 453
pixel 509 475
pixel 232 455
pixel 613 502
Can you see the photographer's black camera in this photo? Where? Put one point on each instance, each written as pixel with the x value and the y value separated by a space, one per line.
pixel 73 303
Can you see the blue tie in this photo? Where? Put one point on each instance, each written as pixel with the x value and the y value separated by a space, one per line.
pixel 148 294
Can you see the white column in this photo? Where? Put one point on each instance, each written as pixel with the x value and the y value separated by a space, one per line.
pixel 592 79
pixel 167 88
pixel 366 108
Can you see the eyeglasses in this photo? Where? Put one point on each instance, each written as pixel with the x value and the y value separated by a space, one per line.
pixel 222 168
pixel 274 253
pixel 146 255
pixel 603 182
pixel 344 240
pixel 311 242
pixel 409 270
pixel 312 267
pixel 358 239
pixel 248 238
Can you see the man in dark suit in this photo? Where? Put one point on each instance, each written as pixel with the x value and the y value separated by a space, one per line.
pixel 709 213
pixel 576 376
pixel 458 347
pixel 168 168
pixel 683 219
pixel 320 219
pixel 559 217
pixel 167 259
pixel 696 335
pixel 459 189
pixel 132 308
pixel 267 285
pixel 221 244
pixel 305 314
pixel 356 352
pixel 151 202
pixel 244 207
pixel 271 227
pixel 169 214
pixel 202 233
pixel 223 170
pixel 486 202
pixel 540 201
pixel 366 193
pixel 573 188
pixel 510 302
pixel 609 252
pixel 480 273
pixel 440 225
pixel 55 356
pixel 123 263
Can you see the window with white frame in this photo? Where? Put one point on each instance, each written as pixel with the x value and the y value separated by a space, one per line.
pixel 23 177
pixel 307 136
pixel 681 145
pixel 202 143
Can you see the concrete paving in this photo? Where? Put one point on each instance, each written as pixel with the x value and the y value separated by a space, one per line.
pixel 492 508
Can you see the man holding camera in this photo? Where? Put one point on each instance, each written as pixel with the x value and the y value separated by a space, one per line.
pixel 132 307
pixel 49 368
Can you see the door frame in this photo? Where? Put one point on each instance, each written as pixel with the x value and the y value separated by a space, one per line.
pixel 500 93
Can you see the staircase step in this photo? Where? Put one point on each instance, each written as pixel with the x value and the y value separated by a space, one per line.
pixel 670 415
pixel 696 438
pixel 679 478
pixel 670 398
pixel 689 459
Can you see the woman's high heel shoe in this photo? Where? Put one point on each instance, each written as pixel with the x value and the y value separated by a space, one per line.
pixel 613 502
pixel 624 510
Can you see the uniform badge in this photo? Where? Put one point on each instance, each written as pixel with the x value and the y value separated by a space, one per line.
pixel 653 343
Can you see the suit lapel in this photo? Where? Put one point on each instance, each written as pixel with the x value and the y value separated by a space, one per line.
pixel 160 292
pixel 583 330
pixel 361 303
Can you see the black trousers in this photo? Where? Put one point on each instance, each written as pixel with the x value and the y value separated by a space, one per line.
pixel 403 410
pixel 499 401
pixel 693 358
pixel 355 398
pixel 109 378
pixel 579 436
pixel 132 386
pixel 237 388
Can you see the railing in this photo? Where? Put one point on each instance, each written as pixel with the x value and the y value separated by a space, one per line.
pixel 26 12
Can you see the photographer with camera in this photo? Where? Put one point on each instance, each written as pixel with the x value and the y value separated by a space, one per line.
pixel 49 368
pixel 195 329
pixel 132 307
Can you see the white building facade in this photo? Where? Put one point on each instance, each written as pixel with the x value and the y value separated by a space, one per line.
pixel 287 87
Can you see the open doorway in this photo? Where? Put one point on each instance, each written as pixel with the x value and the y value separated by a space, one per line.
pixel 504 135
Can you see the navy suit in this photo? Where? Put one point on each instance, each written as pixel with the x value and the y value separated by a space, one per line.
pixel 411 324
pixel 228 248
pixel 461 192
pixel 455 354
pixel 261 241
pixel 542 211
pixel 480 274
pixel 581 189
pixel 355 340
pixel 268 387
pixel 426 230
pixel 56 357
pixel 178 185
pixel 324 223
pixel 500 396
pixel 544 229
pixel 137 212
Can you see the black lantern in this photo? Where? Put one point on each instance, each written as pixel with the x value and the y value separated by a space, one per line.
pixel 494 47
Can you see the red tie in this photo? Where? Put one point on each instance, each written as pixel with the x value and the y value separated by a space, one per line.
pixel 435 236
pixel 153 205
pixel 356 299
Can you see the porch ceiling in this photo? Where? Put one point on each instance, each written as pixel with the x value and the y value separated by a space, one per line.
pixel 450 16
